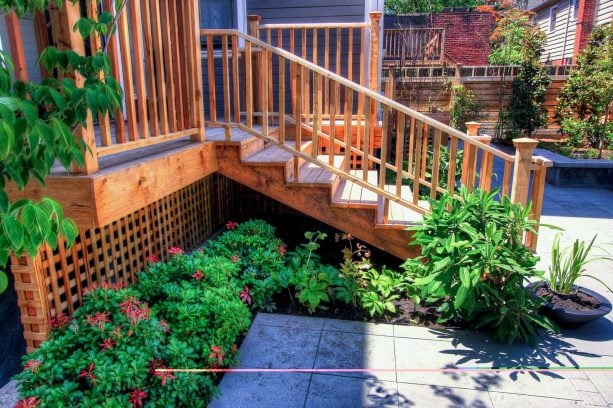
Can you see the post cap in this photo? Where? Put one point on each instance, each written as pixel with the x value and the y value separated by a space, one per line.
pixel 472 128
pixel 525 142
pixel 254 17
pixel 375 14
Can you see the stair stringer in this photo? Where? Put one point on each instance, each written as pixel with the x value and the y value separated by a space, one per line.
pixel 314 201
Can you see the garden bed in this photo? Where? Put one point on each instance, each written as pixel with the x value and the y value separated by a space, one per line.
pixel 577 173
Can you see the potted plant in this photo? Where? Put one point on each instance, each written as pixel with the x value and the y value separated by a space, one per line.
pixel 568 304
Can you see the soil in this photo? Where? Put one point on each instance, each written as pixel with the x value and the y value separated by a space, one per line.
pixel 290 228
pixel 579 301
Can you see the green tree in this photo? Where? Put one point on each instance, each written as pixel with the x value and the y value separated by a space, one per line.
pixel 584 104
pixel 37 121
pixel 426 6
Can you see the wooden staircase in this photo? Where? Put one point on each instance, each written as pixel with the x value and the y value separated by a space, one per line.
pixel 317 192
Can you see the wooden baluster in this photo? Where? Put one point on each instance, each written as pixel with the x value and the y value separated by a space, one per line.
pixel 281 100
pixel 179 79
pixel 418 158
pixel 210 58
pixel 363 56
pixel 225 69
pixel 265 55
pixel 436 162
pixel 306 86
pixel 332 122
pixel 159 65
pixel 42 37
pixel 16 45
pixel 487 166
pixel 139 71
pixel 128 81
pixel 298 70
pixel 248 84
pixel 269 80
pixel 469 163
pixel 538 191
pixel 315 45
pixel 521 170
pixel 292 49
pixel 198 91
pixel 375 25
pixel 327 68
pixel 188 65
pixel 149 66
pixel 453 163
pixel 411 154
pixel 348 127
pixel 317 98
pixel 63 20
pixel 367 135
pixel 257 82
pixel 424 150
pixel 400 133
pixel 169 66
pixel 96 47
pixel 338 70
pixel 506 179
pixel 236 79
pixel 384 157
pixel 350 56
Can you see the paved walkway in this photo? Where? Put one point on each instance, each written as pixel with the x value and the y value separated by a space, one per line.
pixel 277 341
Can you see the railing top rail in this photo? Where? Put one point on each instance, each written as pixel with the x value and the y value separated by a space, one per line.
pixel 315 25
pixel 363 90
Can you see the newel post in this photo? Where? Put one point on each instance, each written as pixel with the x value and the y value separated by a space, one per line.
pixel 63 19
pixel 375 41
pixel 524 147
pixel 253 28
pixel 469 163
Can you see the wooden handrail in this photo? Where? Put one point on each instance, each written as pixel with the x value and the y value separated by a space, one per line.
pixel 373 126
pixel 315 25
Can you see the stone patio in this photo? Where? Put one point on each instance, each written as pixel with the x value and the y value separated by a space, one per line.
pixel 277 341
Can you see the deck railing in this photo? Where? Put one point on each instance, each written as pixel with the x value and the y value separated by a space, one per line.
pixel 343 48
pixel 155 53
pixel 412 148
pixel 426 45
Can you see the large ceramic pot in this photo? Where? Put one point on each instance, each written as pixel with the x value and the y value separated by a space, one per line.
pixel 574 318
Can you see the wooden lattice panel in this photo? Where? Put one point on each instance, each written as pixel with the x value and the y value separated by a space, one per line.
pixel 55 281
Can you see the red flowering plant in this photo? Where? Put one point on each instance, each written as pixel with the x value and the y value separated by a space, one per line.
pixel 99 356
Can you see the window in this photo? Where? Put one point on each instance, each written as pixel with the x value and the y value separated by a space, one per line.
pixel 218 14
pixel 553 13
pixel 574 8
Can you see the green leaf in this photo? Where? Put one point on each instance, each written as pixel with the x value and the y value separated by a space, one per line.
pixel 460 297
pixel 465 277
pixel 13 230
pixel 70 231
pixel 4 281
pixel 7 139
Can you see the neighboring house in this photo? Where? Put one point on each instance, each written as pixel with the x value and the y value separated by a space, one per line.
pixel 568 25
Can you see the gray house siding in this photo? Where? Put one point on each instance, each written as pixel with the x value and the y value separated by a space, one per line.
pixel 604 12
pixel 561 40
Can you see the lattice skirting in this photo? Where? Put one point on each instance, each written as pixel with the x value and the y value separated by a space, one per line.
pixel 54 282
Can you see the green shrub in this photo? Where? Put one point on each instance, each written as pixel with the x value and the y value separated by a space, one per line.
pixel 474 266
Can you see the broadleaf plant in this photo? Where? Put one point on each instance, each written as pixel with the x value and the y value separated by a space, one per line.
pixel 37 125
pixel 474 266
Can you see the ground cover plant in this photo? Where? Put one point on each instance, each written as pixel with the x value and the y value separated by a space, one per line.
pixel 186 313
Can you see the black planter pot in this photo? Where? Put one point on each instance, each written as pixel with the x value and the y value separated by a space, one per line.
pixel 574 318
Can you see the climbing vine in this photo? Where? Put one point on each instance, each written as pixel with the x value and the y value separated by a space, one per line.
pixel 37 125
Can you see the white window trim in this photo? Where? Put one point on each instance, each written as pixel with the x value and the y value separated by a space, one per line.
pixel 552 18
pixel 574 8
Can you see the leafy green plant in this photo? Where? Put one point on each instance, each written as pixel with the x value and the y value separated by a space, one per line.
pixel 568 265
pixel 37 121
pixel 473 265
pixel 527 111
pixel 585 102
pixel 465 107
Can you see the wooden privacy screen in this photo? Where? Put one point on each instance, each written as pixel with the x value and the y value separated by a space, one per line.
pixel 55 281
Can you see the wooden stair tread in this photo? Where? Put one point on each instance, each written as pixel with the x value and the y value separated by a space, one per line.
pixel 311 173
pixel 237 135
pixel 273 154
pixel 350 194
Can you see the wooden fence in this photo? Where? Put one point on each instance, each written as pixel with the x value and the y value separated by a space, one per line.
pixel 417 45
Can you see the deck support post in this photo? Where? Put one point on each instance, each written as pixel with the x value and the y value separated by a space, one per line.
pixel 199 92
pixel 63 19
pixel 375 32
pixel 524 147
pixel 254 22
